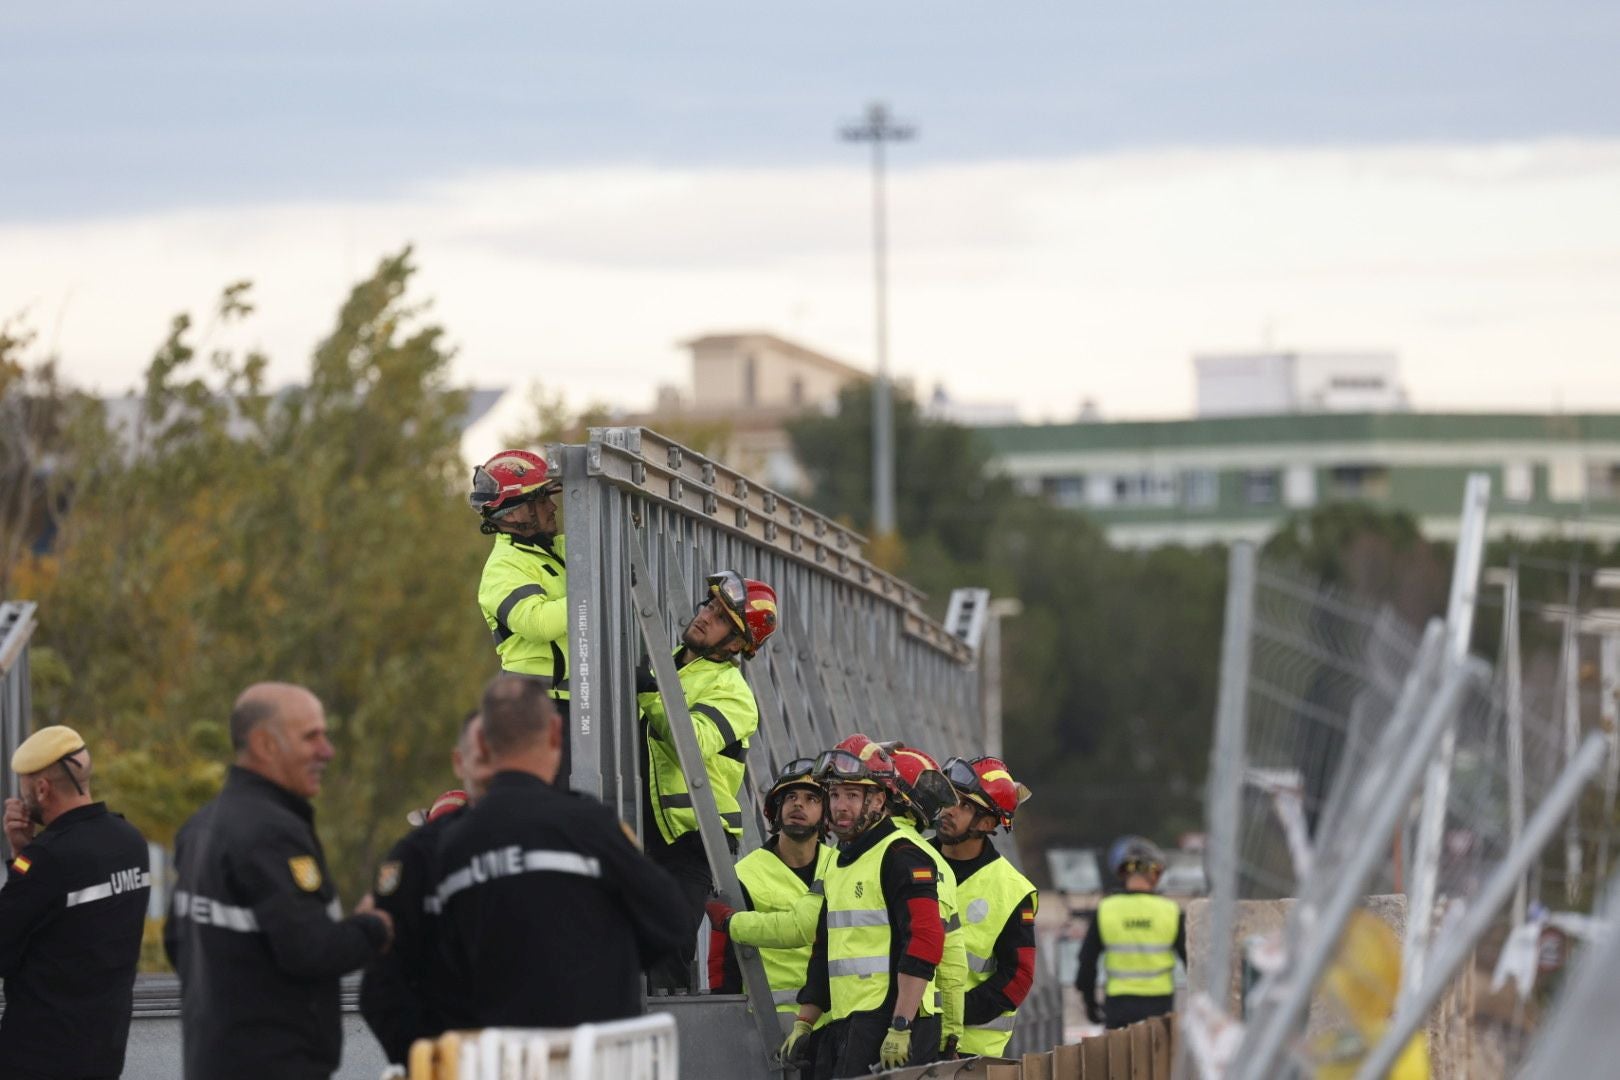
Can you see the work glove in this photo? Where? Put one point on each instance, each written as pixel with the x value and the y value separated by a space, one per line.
pixel 719 912
pixel 896 1049
pixel 646 681
pixel 948 1050
pixel 1094 1011
pixel 795 1039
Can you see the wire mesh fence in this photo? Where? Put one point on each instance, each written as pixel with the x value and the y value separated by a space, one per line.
pixel 1340 709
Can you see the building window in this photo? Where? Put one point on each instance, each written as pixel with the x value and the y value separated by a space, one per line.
pixel 1518 481
pixel 750 381
pixel 796 390
pixel 1200 488
pixel 1145 489
pixel 1603 481
pixel 1065 491
pixel 1359 482
pixel 1262 487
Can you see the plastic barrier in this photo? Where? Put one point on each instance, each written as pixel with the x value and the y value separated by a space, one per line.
pixel 643 1048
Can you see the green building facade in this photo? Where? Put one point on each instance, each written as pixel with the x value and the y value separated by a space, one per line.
pixel 1220 479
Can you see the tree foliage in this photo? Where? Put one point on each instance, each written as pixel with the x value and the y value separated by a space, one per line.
pixel 314 535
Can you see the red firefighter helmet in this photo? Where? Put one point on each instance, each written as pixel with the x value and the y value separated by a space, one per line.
pixel 920 784
pixel 751 605
pixel 856 760
pixel 986 783
pixel 507 480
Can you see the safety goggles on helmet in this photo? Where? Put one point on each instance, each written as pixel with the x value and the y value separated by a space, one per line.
pixel 798 769
pixel 962 777
pixel 843 767
pixel 931 793
pixel 729 587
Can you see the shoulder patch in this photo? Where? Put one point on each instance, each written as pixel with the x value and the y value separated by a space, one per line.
pixel 306 874
pixel 923 873
pixel 388 878
pixel 21 864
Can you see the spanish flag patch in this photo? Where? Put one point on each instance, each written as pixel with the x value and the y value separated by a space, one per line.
pixel 21 865
pixel 922 875
pixel 1029 916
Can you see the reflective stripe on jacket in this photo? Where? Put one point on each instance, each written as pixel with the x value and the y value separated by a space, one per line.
pixel 724 715
pixel 988 898
pixel 859 937
pixel 524 597
pixel 1138 933
pixel 773 886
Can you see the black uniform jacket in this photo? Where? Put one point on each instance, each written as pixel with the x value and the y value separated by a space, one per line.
pixel 71 916
pixel 548 913
pixel 255 932
pixel 402 993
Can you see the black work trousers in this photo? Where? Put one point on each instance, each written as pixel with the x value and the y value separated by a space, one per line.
pixel 1127 1009
pixel 850 1047
pixel 689 866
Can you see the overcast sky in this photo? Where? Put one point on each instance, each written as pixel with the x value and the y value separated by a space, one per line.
pixel 1094 194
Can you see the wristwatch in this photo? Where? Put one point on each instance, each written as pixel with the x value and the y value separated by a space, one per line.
pixel 899 1023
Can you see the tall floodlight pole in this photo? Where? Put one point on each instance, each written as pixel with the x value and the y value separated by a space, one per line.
pixel 878 129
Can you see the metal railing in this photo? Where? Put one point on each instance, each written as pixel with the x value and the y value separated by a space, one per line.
pixel 17 625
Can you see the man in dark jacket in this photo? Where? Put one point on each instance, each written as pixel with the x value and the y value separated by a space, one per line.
pixel 402 995
pixel 71 916
pixel 548 913
pixel 255 927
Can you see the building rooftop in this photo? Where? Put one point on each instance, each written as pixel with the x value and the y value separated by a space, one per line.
pixel 782 345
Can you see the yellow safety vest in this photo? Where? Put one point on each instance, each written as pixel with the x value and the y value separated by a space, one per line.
pixel 951 973
pixel 724 715
pixel 859 937
pixel 988 899
pixel 773 886
pixel 1138 932
pixel 524 596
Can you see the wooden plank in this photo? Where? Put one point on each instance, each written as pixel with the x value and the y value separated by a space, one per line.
pixel 1119 1054
pixel 1094 1058
pixel 1141 1050
pixel 1162 1057
pixel 1066 1062
pixel 1038 1066
pixel 1003 1072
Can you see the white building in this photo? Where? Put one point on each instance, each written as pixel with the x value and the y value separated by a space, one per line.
pixel 1266 383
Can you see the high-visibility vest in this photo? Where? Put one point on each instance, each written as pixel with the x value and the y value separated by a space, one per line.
pixel 859 937
pixel 524 597
pixel 724 715
pixel 954 958
pixel 1138 932
pixel 773 886
pixel 989 897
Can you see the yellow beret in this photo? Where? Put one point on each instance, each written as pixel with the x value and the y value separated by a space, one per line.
pixel 45 748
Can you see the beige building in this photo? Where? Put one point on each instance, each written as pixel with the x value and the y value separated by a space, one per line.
pixel 745 388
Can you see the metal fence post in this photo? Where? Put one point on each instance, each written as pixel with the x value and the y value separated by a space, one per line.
pixel 1437 783
pixel 1225 794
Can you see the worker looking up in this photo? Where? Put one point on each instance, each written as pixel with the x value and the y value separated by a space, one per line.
pixel 1138 935
pixel 71 915
pixel 547 912
pixel 921 794
pixel 996 901
pixel 255 928
pixel 734 619
pixel 403 992
pixel 879 937
pixel 524 590
pixel 773 878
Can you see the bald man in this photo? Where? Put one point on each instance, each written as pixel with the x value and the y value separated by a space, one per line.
pixel 71 916
pixel 255 928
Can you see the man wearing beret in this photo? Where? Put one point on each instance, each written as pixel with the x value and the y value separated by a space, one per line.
pixel 255 927
pixel 71 916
